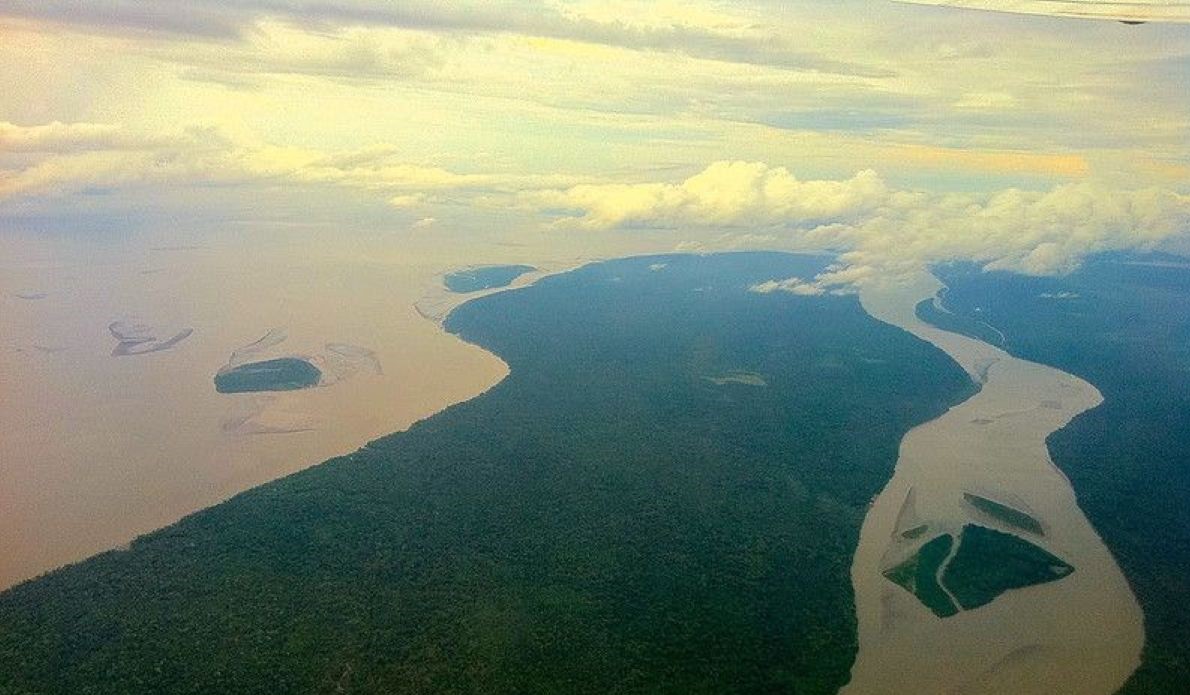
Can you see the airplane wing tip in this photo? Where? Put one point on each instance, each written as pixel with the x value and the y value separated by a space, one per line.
pixel 1131 13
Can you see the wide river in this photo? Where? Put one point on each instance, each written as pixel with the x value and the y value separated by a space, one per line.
pixel 1081 634
pixel 98 448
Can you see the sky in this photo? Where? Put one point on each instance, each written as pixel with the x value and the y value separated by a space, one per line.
pixel 894 134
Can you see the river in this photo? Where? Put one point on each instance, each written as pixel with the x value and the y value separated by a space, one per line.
pixel 1080 634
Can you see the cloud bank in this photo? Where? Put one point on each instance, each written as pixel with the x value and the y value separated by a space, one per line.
pixel 60 159
pixel 880 230
pixel 876 228
pixel 642 27
pixel 794 285
pixel 730 194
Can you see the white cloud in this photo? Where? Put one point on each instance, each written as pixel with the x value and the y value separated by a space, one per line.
pixel 985 101
pixel 792 285
pixel 1034 232
pixel 58 137
pixel 641 26
pixel 725 194
pixel 406 200
pixel 881 231
pixel 61 159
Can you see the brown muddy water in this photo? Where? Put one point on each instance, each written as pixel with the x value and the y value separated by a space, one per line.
pixel 110 424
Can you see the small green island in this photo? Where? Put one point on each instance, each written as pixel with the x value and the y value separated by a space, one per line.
pixel 739 377
pixel 915 532
pixel 281 374
pixel 1005 514
pixel 986 564
pixel 484 277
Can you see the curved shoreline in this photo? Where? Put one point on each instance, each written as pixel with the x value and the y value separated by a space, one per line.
pixel 99 451
pixel 1082 634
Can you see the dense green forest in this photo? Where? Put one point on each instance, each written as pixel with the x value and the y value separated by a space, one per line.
pixel 973 327
pixel 1123 324
pixel 986 564
pixel 608 519
pixel 281 374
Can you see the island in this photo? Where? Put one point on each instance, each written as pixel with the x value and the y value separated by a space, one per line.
pixel 986 564
pixel 280 374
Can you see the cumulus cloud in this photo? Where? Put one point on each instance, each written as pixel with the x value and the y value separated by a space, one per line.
pixel 723 194
pixel 880 231
pixel 1033 232
pixel 792 285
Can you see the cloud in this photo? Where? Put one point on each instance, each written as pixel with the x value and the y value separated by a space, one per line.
pixel 877 229
pixel 407 200
pixel 636 30
pixel 723 194
pixel 985 101
pixel 880 231
pixel 61 159
pixel 192 19
pixel 67 137
pixel 1033 232
pixel 793 285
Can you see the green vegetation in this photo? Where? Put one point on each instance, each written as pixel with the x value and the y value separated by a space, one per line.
pixel 990 562
pixel 915 532
pixel 738 377
pixel 485 277
pixel 986 564
pixel 1005 514
pixel 281 374
pixel 919 576
pixel 602 521
pixel 928 310
pixel 1123 324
